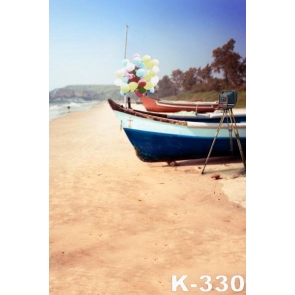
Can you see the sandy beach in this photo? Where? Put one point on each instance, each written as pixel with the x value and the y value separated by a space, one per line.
pixel 122 226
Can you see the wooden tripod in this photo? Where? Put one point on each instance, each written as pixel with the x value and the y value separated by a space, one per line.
pixel 229 113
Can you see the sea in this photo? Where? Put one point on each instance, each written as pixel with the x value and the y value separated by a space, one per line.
pixel 61 108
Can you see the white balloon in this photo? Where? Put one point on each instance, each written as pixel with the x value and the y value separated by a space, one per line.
pixel 155 80
pixel 118 82
pixel 130 67
pixel 156 69
pixel 122 72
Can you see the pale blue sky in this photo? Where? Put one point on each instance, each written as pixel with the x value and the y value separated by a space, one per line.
pixel 87 38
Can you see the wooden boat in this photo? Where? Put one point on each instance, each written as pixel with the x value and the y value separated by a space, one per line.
pixel 165 106
pixel 160 139
pixel 240 117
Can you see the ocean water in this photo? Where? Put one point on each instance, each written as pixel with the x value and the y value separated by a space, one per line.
pixel 62 108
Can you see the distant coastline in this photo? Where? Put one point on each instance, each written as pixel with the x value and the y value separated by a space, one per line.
pixel 85 92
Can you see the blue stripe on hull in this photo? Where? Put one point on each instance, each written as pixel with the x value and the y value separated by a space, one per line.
pixel 159 147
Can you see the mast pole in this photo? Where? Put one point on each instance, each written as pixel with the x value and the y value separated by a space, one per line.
pixel 126 41
pixel 125 100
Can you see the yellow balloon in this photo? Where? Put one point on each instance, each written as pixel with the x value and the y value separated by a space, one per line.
pixel 146 58
pixel 150 64
pixel 148 86
pixel 147 77
pixel 118 74
pixel 125 87
pixel 152 73
pixel 133 86
pixel 145 63
pixel 155 62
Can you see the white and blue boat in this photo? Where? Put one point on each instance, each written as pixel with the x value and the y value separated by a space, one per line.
pixel 167 139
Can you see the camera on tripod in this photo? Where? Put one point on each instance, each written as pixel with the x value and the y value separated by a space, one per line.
pixel 228 99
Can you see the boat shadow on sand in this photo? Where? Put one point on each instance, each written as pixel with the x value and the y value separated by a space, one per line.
pixel 229 164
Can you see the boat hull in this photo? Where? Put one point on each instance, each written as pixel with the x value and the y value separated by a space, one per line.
pixel 156 105
pixel 158 139
pixel 161 147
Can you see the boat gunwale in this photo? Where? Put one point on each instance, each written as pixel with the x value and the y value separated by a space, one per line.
pixel 117 107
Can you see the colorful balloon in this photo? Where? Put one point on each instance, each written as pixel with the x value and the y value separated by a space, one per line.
pixel 118 82
pixel 125 62
pixel 125 87
pixel 152 73
pixel 146 58
pixel 137 61
pixel 155 69
pixel 130 67
pixel 140 72
pixel 138 76
pixel 141 90
pixel 133 86
pixel 125 79
pixel 155 62
pixel 141 82
pixel 121 72
pixel 138 94
pixel 149 85
pixel 155 80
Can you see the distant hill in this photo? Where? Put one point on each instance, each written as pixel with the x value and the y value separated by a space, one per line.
pixel 86 92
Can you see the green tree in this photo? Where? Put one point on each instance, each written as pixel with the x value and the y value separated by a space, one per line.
pixel 166 87
pixel 204 75
pixel 177 79
pixel 190 79
pixel 230 64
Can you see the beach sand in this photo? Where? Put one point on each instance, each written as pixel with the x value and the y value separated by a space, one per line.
pixel 122 226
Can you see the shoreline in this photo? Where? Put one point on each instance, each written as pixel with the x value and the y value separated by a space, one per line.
pixel 117 223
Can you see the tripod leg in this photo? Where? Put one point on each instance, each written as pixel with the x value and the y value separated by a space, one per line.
pixel 230 131
pixel 233 122
pixel 221 121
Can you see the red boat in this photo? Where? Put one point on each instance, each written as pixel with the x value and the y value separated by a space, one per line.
pixel 165 106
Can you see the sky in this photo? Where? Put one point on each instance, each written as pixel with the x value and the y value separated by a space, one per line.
pixel 87 39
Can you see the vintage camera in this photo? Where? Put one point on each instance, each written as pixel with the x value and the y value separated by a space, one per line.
pixel 228 99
